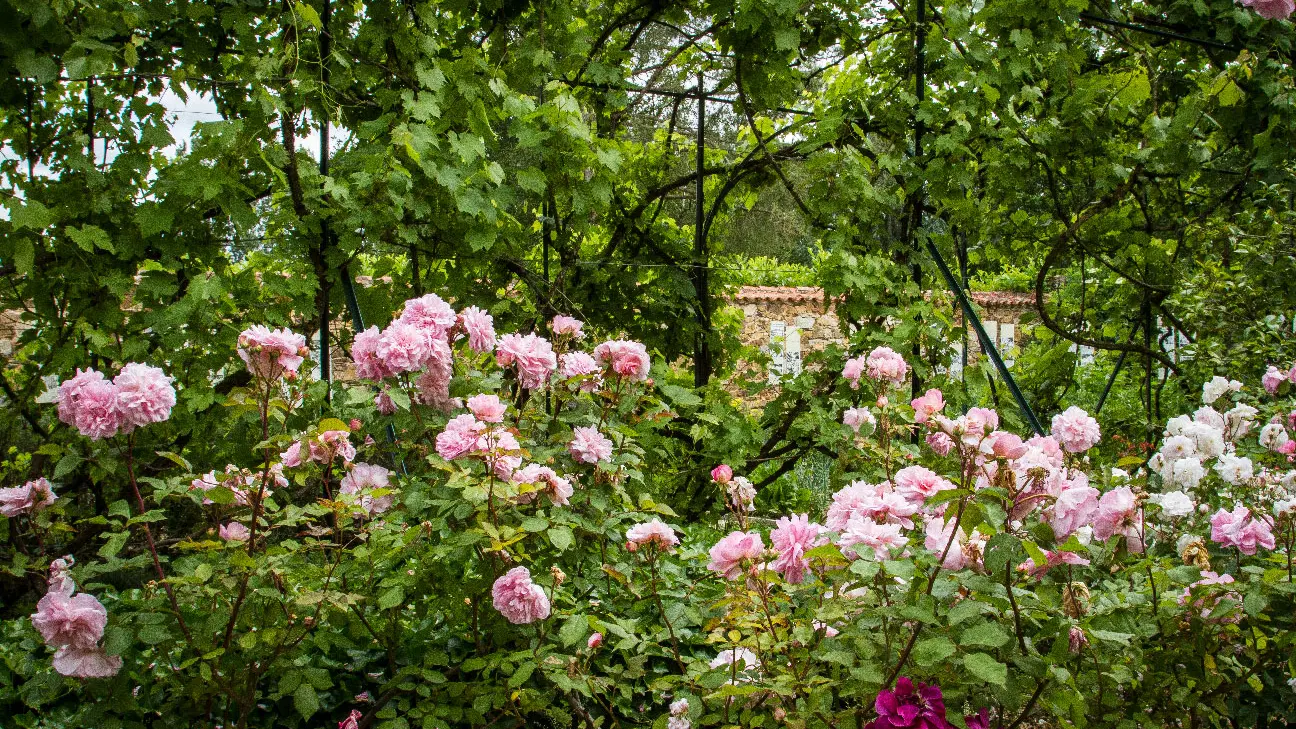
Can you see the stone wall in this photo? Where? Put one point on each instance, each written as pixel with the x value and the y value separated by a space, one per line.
pixel 789 321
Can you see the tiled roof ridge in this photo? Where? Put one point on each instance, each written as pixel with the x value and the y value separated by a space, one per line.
pixel 792 294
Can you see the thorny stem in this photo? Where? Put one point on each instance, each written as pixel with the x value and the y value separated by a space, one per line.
pixel 148 536
pixel 1021 638
pixel 652 569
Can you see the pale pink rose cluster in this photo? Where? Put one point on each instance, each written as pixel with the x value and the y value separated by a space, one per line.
pixel 235 532
pixel 365 480
pixel 1209 587
pixel 735 553
pixel 271 353
pixel 1051 560
pixel 1271 9
pixel 558 489
pixel 582 368
pixel 465 435
pixel 518 599
pixel 590 446
pixel 625 359
pixel 1119 514
pixel 243 482
pixel 99 408
pixel 73 625
pixel 1274 378
pixel 792 537
pixel 1241 529
pixel 29 498
pixel 533 356
pixel 323 449
pixel 566 326
pixel 1076 430
pixel 928 405
pixel 882 365
pixel 651 533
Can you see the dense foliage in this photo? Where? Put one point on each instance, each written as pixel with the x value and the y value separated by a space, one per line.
pixel 1131 163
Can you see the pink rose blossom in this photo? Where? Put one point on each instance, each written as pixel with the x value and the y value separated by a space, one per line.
pixel 364 479
pixel 917 484
pixel 1052 559
pixel 73 625
pixel 982 421
pixel 654 532
pixel 940 538
pixel 533 356
pixel 1118 514
pixel 1074 508
pixel 558 489
pixel 594 641
pixel 721 474
pixel 459 437
pixel 1272 379
pixel 928 405
pixel 434 383
pixel 88 402
pixel 271 353
pixel 29 498
pixel 792 537
pixel 1075 430
pixel 882 538
pixel 404 347
pixel 729 554
pixel 519 599
pixel 940 442
pixel 1240 529
pixel 352 721
pixel 144 395
pixel 627 359
pixel 853 371
pixel 580 365
pixel 487 408
pixel 588 445
pixel 880 502
pixel 429 313
pixel 384 403
pixel 364 351
pixel 566 325
pixel 501 449
pixel 885 365
pixel 480 328
pixel 1007 446
pixel 857 418
pixel 1271 9
pixel 235 532
pixel 1211 580
pixel 1048 447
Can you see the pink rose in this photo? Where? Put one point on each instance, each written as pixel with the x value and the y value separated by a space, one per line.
pixel 558 489
pixel 588 445
pixel 1075 430
pixel 459 437
pixel 1118 514
pixel 654 532
pixel 384 403
pixel 624 358
pixel 89 403
pixel 859 419
pixel 882 538
pixel 404 347
pixel 480 328
pixel 729 554
pixel 928 405
pixel 1074 507
pixel 144 395
pixel 271 353
pixel 580 365
pixel 885 365
pixel 566 325
pixel 533 356
pixel 941 539
pixel 1271 9
pixel 73 625
pixel 352 721
pixel 1007 446
pixel 518 599
pixel 363 479
pixel 721 474
pixel 853 371
pixel 431 314
pixel 594 641
pixel 940 443
pixel 1272 380
pixel 1240 529
pixel 364 351
pixel 917 484
pixel 792 537
pixel 487 408
pixel 1052 559
pixel 29 498
pixel 235 532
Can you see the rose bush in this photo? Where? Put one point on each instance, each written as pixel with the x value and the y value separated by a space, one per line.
pixel 497 557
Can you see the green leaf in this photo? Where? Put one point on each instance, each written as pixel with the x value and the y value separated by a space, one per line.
pixel 153 634
pixel 521 675
pixel 1003 550
pixel 933 650
pixel 991 635
pixel 391 598
pixel 561 537
pixel 333 424
pixel 310 16
pixel 24 255
pixel 986 668
pixel 90 237
pixel 306 700
pixel 31 215
pixel 574 630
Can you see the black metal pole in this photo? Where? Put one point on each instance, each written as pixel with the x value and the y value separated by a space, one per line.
pixel 1120 362
pixel 986 345
pixel 326 374
pixel 702 343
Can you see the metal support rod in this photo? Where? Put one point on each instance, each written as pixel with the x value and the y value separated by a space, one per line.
pixel 702 343
pixel 986 345
pixel 916 232
pixel 1120 362
pixel 324 316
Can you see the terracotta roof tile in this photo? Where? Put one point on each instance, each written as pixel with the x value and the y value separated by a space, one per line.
pixel 791 294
